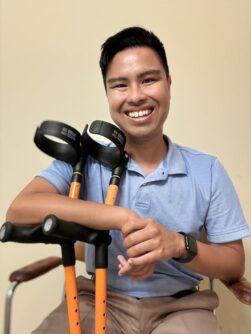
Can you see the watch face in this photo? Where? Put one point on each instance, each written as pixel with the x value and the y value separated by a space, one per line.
pixel 191 248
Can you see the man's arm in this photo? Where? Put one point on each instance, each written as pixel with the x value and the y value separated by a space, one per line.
pixel 39 198
pixel 147 241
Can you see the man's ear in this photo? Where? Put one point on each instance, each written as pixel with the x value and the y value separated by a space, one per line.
pixel 169 79
pixel 169 83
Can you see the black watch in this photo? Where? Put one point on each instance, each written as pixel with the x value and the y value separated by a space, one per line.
pixel 191 248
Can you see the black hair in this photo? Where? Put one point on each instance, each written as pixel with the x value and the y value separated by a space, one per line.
pixel 130 38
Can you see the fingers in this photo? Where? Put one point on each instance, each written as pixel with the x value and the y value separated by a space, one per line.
pixel 132 226
pixel 134 271
pixel 143 248
pixel 152 243
pixel 145 259
pixel 122 260
pixel 243 296
pixel 242 291
pixel 146 242
pixel 124 265
pixel 140 231
pixel 246 298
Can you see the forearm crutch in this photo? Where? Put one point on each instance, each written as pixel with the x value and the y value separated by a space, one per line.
pixel 71 152
pixel 110 156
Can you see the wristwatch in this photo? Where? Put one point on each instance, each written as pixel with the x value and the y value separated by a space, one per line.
pixel 191 248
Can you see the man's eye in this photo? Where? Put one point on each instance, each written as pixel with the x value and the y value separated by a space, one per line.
pixel 119 85
pixel 148 80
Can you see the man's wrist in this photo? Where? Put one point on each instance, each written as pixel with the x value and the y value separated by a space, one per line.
pixel 126 215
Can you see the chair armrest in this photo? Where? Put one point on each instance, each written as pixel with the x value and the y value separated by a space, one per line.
pixel 241 289
pixel 35 269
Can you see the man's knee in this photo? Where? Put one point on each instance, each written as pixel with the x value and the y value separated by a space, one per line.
pixel 195 321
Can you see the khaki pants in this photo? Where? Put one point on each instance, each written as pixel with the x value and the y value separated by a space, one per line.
pixel 129 315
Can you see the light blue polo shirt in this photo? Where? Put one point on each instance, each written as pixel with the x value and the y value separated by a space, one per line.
pixel 187 191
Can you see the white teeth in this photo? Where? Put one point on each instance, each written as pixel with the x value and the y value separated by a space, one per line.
pixel 135 114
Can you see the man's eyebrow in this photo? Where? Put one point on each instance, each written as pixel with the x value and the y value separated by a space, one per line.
pixel 115 79
pixel 148 72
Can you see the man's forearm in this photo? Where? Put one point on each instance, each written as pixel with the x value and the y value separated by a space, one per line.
pixel 223 261
pixel 35 207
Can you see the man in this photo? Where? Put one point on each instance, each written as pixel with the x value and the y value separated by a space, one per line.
pixel 169 193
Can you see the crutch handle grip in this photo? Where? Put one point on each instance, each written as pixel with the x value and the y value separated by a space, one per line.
pixel 25 234
pixel 59 228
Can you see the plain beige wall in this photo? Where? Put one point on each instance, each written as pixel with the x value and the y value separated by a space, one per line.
pixel 49 70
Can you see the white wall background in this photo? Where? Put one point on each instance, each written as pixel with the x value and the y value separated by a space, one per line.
pixel 49 70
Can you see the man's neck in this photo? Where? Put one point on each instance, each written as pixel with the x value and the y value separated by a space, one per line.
pixel 147 153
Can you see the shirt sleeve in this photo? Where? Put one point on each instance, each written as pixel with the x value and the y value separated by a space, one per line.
pixel 58 174
pixel 225 219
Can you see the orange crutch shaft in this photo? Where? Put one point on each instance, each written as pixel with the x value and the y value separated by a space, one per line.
pixel 70 273
pixel 72 299
pixel 101 273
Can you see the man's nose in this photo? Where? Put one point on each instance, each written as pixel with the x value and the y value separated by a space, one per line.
pixel 136 94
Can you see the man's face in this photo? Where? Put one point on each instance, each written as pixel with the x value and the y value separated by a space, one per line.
pixel 138 92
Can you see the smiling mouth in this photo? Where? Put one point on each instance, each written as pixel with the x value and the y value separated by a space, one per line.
pixel 139 113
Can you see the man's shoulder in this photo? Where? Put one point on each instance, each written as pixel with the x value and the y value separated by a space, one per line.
pixel 195 161
pixel 195 154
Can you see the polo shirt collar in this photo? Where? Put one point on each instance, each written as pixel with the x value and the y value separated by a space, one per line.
pixel 174 160
pixel 172 164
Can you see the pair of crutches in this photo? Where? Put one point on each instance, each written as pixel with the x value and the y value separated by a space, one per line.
pixel 74 150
